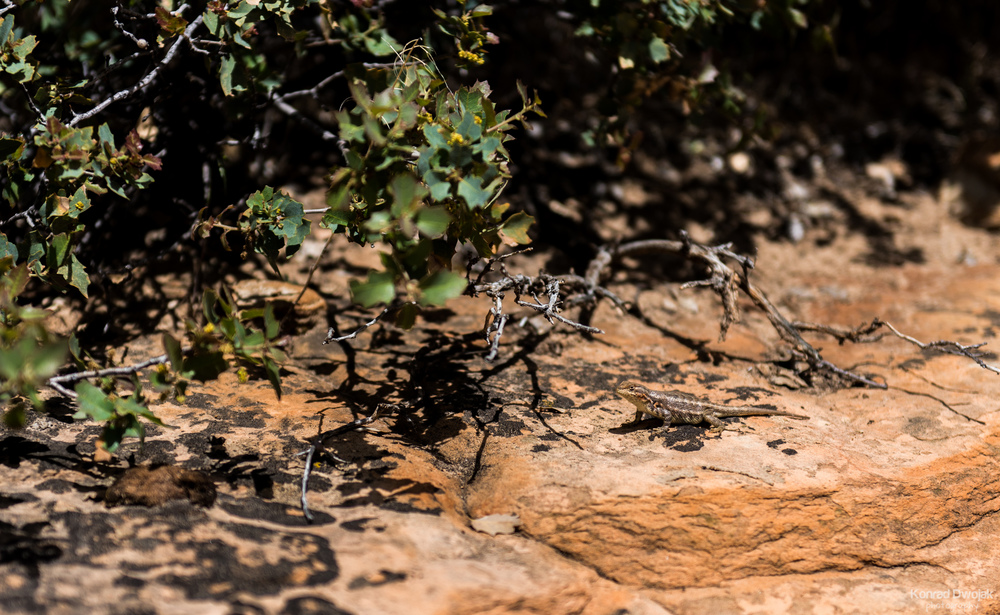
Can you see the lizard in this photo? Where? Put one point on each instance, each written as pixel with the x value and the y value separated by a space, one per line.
pixel 676 407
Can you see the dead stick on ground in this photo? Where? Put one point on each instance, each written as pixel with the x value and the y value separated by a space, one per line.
pixel 318 445
pixel 725 282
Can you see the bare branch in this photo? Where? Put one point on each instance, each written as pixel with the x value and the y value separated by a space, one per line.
pixel 281 102
pixel 865 333
pixel 317 445
pixel 56 382
pixel 488 266
pixel 548 285
pixel 314 90
pixel 144 83
pixel 141 43
pixel 725 281
pixel 26 214
pixel 291 111
pixel 862 334
pixel 31 103
pixel 350 336
pixel 551 309
pixel 305 484
pixel 495 322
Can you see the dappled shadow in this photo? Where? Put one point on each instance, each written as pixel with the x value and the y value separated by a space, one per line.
pixel 25 546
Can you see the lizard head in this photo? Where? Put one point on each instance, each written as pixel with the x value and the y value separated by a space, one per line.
pixel 631 391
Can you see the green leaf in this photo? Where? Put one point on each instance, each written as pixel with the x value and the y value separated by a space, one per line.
pixel 516 228
pixel 127 426
pixel 406 317
pixel 334 218
pixel 257 201
pixel 379 43
pixel 5 28
pixel 471 100
pixel 115 186
pixel 658 50
pixel 487 147
pixel 379 288
pixel 132 406
pixel 270 323
pixel 211 22
pixel 7 249
pixel 24 46
pixel 206 365
pixel 407 194
pixel 523 92
pixel 208 300
pixel 106 136
pixel 438 287
pixel 12 362
pixel 433 221
pixel 498 209
pixel 293 227
pixel 471 189
pixel 379 222
pixel 440 188
pixel 78 203
pixel 273 375
pixel 798 18
pixel 77 275
pixel 349 131
pixel 11 148
pixel 468 128
pixel 93 403
pixel 240 13
pixel 47 359
pixel 58 249
pixel 434 136
pixel 36 252
pixel 226 74
pixel 173 348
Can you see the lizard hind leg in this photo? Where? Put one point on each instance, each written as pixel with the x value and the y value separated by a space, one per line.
pixel 718 425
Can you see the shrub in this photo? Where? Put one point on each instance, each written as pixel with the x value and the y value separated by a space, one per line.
pixel 130 119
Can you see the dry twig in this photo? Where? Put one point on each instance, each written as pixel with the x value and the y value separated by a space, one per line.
pixel 145 81
pixel 354 334
pixel 866 334
pixel 57 382
pixel 317 445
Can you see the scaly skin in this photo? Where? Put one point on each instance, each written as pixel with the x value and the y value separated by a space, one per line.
pixel 676 408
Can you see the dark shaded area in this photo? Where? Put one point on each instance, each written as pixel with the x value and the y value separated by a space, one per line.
pixel 312 605
pixel 223 574
pixel 274 512
pixel 910 80
pixel 24 546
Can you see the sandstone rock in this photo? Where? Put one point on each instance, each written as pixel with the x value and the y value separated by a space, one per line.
pixel 880 503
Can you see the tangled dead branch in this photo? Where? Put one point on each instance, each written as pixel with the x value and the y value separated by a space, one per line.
pixel 550 286
pixel 727 282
